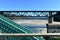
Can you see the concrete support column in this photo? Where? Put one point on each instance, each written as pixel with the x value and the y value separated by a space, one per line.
pixel 50 19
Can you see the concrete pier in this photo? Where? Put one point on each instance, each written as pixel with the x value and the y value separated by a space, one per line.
pixel 50 19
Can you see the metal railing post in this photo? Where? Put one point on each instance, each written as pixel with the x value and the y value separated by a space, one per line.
pixel 6 38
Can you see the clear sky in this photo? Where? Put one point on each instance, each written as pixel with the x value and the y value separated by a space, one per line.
pixel 29 4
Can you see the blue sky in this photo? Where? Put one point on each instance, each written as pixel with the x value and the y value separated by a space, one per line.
pixel 29 4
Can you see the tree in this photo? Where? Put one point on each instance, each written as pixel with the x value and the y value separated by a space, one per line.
pixel 1 12
pixel 57 16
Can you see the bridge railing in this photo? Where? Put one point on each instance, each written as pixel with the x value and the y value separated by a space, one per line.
pixel 6 35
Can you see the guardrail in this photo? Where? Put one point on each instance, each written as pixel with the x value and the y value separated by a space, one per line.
pixel 29 35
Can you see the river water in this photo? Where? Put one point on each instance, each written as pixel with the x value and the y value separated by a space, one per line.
pixel 34 25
